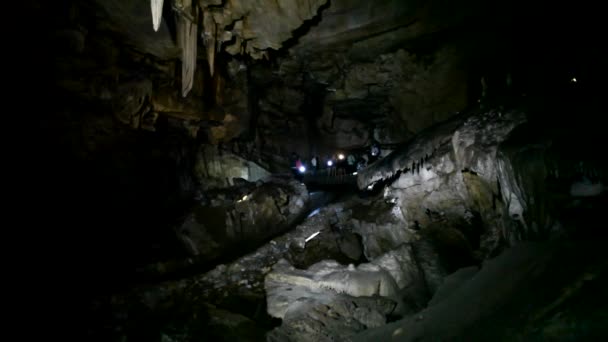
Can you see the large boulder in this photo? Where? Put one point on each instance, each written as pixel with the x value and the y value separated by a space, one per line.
pixel 343 246
pixel 328 300
pixel 381 226
pixel 451 173
pixel 215 168
pixel 515 296
pixel 285 285
pixel 243 216
pixel 341 316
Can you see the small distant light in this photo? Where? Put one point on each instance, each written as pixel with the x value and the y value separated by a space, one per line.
pixel 302 169
pixel 244 198
pixel 340 156
pixel 330 163
pixel 573 79
pixel 354 173
pixel 369 187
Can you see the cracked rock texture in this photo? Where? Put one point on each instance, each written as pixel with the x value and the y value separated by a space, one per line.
pixel 242 216
pixel 451 173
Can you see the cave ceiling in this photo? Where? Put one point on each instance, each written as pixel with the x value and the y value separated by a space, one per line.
pixel 289 74
pixel 303 27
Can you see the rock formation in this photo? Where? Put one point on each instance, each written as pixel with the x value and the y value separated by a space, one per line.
pixel 297 169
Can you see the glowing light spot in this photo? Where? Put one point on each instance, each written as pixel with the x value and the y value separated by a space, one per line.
pixel 573 80
pixel 244 198
pixel 369 187
pixel 341 156
pixel 312 236
pixel 302 169
pixel 330 163
pixel 354 173
pixel 314 212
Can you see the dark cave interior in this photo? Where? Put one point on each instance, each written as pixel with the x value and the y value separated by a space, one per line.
pixel 171 208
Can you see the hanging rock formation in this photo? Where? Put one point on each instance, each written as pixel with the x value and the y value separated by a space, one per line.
pixel 157 13
pixel 254 27
pixel 209 39
pixel 187 37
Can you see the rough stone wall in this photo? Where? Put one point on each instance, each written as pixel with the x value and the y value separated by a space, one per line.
pixel 217 169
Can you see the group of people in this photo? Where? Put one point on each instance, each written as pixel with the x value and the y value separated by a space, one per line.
pixel 337 164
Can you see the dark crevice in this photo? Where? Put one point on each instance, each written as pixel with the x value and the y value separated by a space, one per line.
pixel 230 26
pixel 467 170
pixel 220 6
pixel 303 29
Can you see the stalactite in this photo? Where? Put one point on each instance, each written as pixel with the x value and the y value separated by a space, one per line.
pixel 157 13
pixel 187 32
pixel 209 38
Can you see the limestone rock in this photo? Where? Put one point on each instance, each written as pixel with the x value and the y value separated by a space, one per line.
pixel 451 171
pixel 250 22
pixel 340 318
pixel 130 102
pixel 452 282
pixel 328 301
pixel 400 264
pixel 529 267
pixel 344 247
pixel 216 170
pixel 244 217
pixel 381 227
pixel 131 19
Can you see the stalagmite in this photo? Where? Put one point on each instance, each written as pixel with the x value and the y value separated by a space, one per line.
pixel 209 34
pixel 157 13
pixel 187 32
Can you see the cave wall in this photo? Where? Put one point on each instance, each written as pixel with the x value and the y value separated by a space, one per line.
pixel 217 169
pixel 114 134
pixel 348 74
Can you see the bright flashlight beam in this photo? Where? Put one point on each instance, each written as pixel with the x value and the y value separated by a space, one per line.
pixel 302 169
pixel 330 163
pixel 340 156
pixel 312 236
